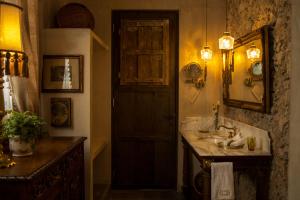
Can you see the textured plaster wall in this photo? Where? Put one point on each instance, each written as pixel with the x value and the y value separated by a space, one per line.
pixel 294 148
pixel 245 16
pixel 191 40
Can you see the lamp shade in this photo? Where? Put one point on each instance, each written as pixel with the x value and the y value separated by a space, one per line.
pixel 206 54
pixel 253 52
pixel 226 42
pixel 10 27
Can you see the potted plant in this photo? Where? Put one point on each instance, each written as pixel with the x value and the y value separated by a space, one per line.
pixel 22 129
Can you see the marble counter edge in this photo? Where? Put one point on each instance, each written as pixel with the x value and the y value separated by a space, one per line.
pixel 219 152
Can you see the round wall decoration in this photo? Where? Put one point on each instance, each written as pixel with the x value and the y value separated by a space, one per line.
pixel 193 71
pixel 75 15
pixel 195 74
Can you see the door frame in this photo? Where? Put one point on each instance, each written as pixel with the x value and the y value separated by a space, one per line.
pixel 115 49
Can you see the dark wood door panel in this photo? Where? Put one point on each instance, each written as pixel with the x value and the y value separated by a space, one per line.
pixel 145 34
pixel 144 52
pixel 134 169
pixel 165 164
pixel 145 114
pixel 151 166
pixel 144 78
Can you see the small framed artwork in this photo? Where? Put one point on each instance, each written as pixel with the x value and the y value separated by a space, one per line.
pixel 62 73
pixel 61 112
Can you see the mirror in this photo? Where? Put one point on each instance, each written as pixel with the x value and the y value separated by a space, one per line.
pixel 246 77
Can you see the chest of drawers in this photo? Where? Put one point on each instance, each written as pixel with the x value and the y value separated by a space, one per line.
pixel 55 171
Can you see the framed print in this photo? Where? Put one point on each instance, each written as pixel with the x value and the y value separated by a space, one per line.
pixel 62 73
pixel 61 112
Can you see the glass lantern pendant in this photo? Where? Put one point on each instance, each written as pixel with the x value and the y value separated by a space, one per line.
pixel 253 52
pixel 206 54
pixel 226 42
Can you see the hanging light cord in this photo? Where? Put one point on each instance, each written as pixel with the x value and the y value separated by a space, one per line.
pixel 206 22
pixel 226 28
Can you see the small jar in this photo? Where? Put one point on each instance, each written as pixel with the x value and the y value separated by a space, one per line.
pixel 251 143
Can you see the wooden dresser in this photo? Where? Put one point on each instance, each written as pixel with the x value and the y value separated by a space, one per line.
pixel 55 171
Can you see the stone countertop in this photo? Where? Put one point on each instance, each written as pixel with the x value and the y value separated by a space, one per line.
pixel 207 148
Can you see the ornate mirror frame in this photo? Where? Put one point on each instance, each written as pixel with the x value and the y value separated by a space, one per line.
pixel 265 106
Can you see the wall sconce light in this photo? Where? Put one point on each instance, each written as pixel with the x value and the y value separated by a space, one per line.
pixel 253 52
pixel 226 45
pixel 13 61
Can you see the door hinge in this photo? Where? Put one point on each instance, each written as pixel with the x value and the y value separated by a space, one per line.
pixel 113 102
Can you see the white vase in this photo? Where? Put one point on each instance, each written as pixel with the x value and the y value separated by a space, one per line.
pixel 20 148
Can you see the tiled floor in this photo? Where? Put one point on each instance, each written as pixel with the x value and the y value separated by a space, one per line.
pixel 142 195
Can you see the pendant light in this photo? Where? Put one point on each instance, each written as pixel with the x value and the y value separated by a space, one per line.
pixel 206 52
pixel 226 41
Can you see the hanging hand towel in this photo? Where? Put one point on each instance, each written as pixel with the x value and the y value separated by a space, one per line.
pixel 222 183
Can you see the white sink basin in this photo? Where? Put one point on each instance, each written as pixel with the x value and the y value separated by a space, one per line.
pixel 217 138
pixel 212 137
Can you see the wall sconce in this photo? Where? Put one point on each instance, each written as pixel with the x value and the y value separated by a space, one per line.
pixel 13 61
pixel 226 45
pixel 253 52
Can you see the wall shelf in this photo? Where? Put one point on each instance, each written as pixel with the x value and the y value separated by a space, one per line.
pixel 97 148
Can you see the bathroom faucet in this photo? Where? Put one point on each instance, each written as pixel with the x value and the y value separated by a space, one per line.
pixel 216 115
pixel 231 133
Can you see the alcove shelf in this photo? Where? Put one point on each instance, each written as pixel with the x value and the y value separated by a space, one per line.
pixel 91 108
pixel 98 148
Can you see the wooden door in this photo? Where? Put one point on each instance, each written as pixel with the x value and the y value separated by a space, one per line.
pixel 144 104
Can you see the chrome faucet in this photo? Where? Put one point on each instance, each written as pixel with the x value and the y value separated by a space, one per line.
pixel 233 131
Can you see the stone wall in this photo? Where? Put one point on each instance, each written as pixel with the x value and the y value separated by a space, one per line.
pixel 294 147
pixel 243 17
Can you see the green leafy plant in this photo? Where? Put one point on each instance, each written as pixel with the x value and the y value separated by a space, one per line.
pixel 26 125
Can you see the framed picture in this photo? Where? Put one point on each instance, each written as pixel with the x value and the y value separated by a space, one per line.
pixel 61 112
pixel 62 73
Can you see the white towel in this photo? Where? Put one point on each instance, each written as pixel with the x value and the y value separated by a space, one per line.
pixel 222 182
